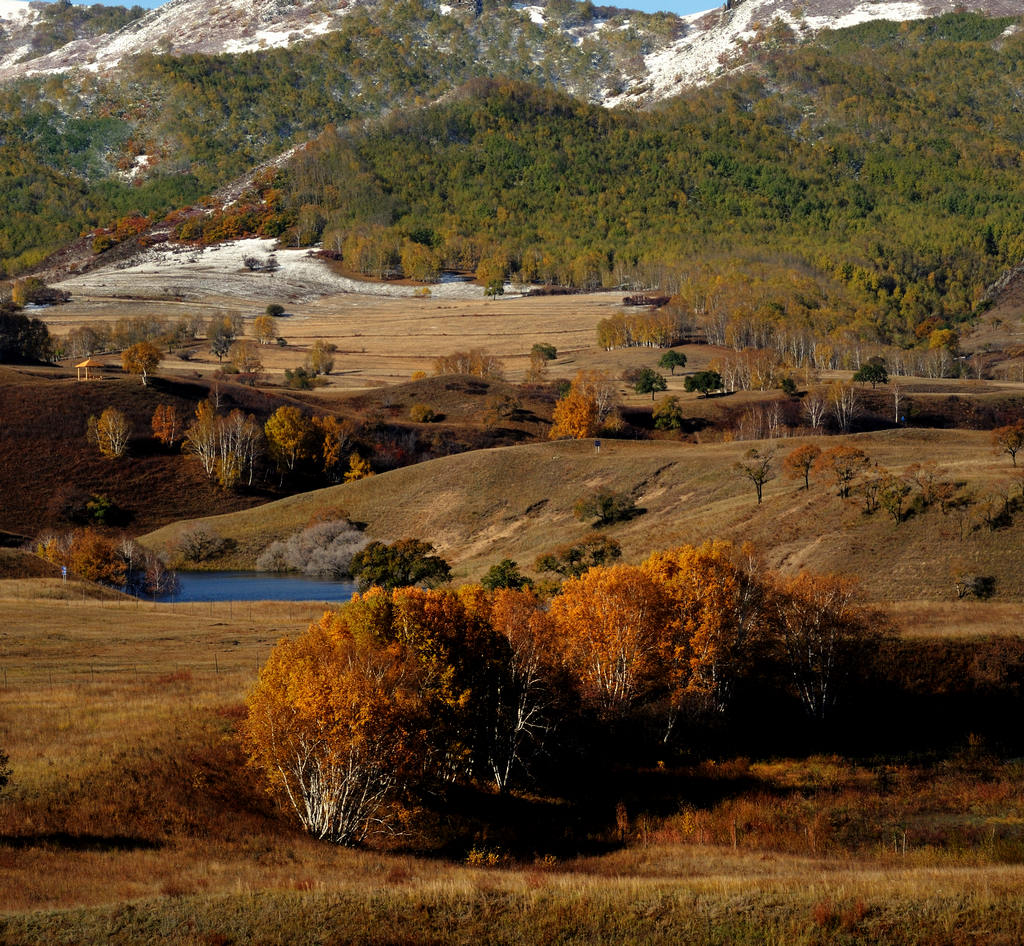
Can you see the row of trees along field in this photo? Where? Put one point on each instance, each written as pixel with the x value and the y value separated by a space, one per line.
pixel 777 319
pixel 405 687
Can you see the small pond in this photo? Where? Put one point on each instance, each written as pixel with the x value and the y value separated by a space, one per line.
pixel 260 586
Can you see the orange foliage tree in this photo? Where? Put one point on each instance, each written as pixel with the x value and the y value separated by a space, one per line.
pixel 717 617
pixel 335 726
pixel 843 464
pixel 167 424
pixel 610 621
pixel 799 462
pixel 1009 439
pixel 588 407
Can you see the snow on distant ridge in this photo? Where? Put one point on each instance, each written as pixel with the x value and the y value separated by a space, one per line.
pixel 16 10
pixel 708 46
pixel 715 36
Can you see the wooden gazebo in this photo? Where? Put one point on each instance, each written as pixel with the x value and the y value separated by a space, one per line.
pixel 87 365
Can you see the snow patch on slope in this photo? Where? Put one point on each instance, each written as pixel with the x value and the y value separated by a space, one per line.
pixel 714 38
pixel 189 272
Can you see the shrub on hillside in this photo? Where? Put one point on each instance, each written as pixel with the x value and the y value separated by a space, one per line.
pixel 422 414
pixel 201 544
pixel 322 550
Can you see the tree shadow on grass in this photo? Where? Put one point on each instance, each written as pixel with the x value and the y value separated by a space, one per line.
pixel 66 841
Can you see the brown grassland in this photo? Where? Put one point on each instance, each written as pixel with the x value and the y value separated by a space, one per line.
pixel 131 816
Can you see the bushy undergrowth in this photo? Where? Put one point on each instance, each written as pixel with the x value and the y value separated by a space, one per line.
pixel 322 550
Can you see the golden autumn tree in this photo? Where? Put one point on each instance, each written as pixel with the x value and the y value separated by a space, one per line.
pixel 142 359
pixel 335 727
pixel 610 621
pixel 717 605
pixel 459 658
pixel 587 408
pixel 333 436
pixel 290 437
pixel 110 432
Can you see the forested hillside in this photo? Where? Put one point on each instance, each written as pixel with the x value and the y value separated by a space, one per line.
pixel 866 180
pixel 69 143
pixel 884 159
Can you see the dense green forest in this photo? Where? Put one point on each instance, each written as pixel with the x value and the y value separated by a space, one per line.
pixel 879 167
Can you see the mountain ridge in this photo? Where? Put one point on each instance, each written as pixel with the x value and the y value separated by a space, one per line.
pixel 681 53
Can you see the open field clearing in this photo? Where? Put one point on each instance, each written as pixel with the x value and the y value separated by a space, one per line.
pixel 381 339
pixel 517 502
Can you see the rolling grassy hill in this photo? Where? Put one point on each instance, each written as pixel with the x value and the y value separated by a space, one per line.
pixel 516 502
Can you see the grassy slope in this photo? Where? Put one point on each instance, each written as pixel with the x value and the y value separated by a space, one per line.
pixel 515 502
pixel 47 464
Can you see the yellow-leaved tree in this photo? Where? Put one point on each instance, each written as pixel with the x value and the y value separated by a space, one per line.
pixel 611 621
pixel 335 727
pixel 717 617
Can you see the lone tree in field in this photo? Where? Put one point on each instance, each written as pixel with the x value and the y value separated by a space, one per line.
pixel 588 406
pixel 672 359
pixel 110 432
pixel 843 464
pixel 648 381
pixel 1009 439
pixel 264 329
pixel 757 467
pixel 667 414
pixel 872 372
pixel 141 359
pixel 703 381
pixel 168 426
pixel 799 462
pixel 606 506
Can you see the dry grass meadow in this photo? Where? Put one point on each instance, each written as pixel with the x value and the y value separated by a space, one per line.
pixel 517 502
pixel 385 340
pixel 131 819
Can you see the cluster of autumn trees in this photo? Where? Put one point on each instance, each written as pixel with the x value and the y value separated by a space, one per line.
pixel 411 686
pixel 230 447
pixel 233 448
pixel 850 472
pixel 117 562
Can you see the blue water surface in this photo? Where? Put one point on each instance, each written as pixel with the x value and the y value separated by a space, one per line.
pixel 260 586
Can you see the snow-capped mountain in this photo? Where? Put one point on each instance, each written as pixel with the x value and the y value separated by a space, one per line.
pixel 705 44
pixel 715 40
